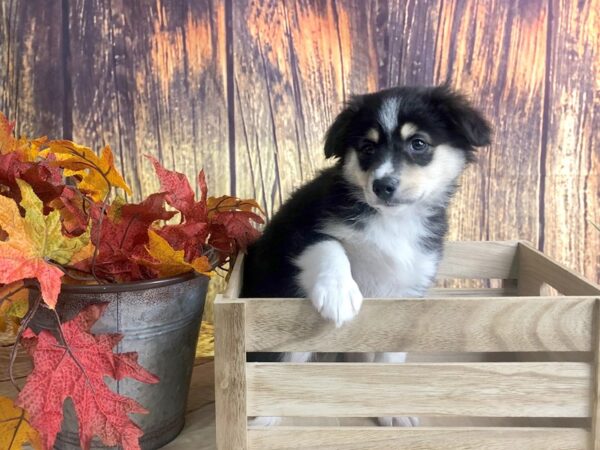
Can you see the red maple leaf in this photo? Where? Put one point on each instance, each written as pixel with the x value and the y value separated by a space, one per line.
pixel 77 370
pixel 238 226
pixel 11 168
pixel 70 204
pixel 176 187
pixel 189 237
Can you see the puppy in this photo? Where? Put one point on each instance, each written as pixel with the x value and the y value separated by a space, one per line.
pixel 373 224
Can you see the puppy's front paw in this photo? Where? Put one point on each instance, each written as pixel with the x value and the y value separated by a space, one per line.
pixel 398 421
pixel 336 297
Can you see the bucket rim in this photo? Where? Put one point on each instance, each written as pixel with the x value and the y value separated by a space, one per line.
pixel 129 286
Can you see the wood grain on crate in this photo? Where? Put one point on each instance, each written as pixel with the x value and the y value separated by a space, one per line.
pixel 459 438
pixel 438 325
pixel 230 375
pixel 595 410
pixel 536 268
pixel 543 389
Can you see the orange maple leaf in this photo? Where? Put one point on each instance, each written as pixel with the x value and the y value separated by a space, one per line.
pixel 96 175
pixel 225 203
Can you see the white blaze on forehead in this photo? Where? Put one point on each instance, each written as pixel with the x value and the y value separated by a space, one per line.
pixel 407 130
pixel 388 114
pixel 387 168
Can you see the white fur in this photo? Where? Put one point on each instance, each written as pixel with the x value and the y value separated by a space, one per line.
pixel 326 276
pixel 426 183
pixel 385 169
pixel 386 258
pixel 388 114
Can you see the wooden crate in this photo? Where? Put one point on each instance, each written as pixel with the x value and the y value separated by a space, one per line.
pixel 559 381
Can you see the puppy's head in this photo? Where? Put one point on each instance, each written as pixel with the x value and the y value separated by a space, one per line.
pixel 406 145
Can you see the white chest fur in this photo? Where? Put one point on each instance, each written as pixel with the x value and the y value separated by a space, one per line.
pixel 387 257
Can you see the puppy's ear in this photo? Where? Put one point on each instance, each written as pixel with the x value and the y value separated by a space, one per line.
pixel 338 134
pixel 466 120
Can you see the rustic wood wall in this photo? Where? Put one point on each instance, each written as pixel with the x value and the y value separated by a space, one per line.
pixel 246 89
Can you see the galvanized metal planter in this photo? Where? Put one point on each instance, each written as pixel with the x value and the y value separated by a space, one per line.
pixel 160 320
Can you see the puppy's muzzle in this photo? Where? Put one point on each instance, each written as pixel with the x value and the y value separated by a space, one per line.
pixel 385 187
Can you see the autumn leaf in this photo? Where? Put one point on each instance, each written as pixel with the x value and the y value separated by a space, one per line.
pixel 179 193
pixel 32 241
pixel 27 150
pixel 122 239
pixel 70 205
pixel 226 203
pixel 14 303
pixel 96 175
pixel 187 236
pixel 238 225
pixel 172 262
pixel 15 430
pixel 78 372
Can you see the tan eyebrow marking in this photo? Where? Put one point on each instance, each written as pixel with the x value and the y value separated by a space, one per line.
pixel 373 135
pixel 408 129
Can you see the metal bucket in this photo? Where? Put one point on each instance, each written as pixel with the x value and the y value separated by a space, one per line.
pixel 160 320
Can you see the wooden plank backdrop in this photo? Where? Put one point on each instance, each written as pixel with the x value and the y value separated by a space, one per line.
pixel 246 89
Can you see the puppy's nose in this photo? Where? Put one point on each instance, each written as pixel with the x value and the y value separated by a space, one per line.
pixel 384 187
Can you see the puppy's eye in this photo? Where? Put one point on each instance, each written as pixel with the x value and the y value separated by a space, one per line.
pixel 367 149
pixel 418 145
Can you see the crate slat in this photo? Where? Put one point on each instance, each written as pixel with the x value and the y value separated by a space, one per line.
pixel 470 292
pixel 230 376
pixel 595 412
pixel 465 259
pixel 459 389
pixel 421 325
pixel 535 268
pixel 371 438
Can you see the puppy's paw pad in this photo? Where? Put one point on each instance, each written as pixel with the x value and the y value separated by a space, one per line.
pixel 337 297
pixel 398 421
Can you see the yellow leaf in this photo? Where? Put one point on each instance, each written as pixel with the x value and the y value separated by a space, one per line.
pixel 15 430
pixel 97 174
pixel 116 205
pixel 170 261
pixel 32 242
pixel 83 253
pixel 46 231
pixel 14 304
pixel 227 203
pixel 8 143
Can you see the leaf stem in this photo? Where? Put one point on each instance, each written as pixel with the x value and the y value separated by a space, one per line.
pixel 14 436
pixel 22 327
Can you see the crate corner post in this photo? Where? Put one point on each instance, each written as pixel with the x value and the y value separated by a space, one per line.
pixel 230 374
